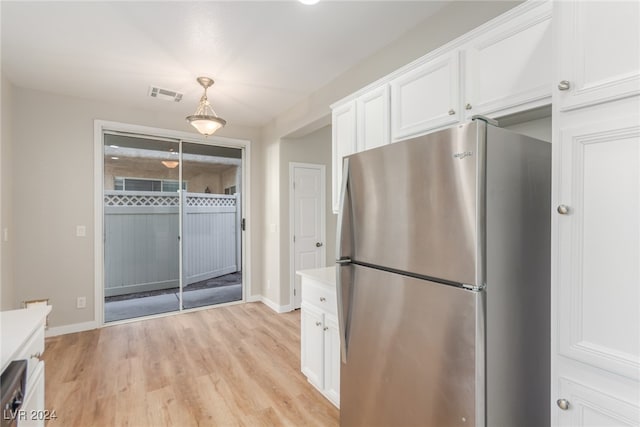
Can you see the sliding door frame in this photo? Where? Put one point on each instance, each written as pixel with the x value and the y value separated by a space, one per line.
pixel 99 129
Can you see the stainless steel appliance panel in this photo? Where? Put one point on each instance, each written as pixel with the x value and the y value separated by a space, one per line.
pixel 416 205
pixel 415 352
pixel 518 279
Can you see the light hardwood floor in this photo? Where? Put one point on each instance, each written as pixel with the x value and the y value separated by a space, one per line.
pixel 235 365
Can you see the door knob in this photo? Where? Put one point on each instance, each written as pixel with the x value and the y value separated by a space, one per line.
pixel 563 209
pixel 564 85
pixel 563 404
pixel 452 112
pixel 318 244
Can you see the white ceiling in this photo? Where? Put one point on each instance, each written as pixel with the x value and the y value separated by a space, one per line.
pixel 265 56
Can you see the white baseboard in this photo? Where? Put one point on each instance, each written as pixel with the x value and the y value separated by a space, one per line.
pixel 70 329
pixel 269 303
pixel 87 326
pixel 254 298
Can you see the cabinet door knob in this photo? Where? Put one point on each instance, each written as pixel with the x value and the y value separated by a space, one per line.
pixel 563 209
pixel 564 85
pixel 468 107
pixel 452 112
pixel 318 244
pixel 563 404
pixel 326 328
pixel 318 323
pixel 322 299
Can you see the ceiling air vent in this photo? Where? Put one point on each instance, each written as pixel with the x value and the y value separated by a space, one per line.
pixel 166 94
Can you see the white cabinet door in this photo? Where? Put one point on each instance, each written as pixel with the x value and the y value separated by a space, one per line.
pixel 332 359
pixel 312 344
pixel 598 51
pixel 599 245
pixel 373 119
pixel 427 97
pixel 596 272
pixel 343 143
pixel 33 412
pixel 592 407
pixel 508 69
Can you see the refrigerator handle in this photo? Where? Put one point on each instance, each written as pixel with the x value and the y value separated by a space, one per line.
pixel 343 254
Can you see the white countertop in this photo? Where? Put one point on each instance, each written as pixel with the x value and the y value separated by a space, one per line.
pixel 16 326
pixel 326 275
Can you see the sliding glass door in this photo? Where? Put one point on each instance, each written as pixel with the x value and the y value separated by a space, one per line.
pixel 211 225
pixel 167 201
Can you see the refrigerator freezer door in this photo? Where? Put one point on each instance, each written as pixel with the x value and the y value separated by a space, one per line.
pixel 416 353
pixel 417 205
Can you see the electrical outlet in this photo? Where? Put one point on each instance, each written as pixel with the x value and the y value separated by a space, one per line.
pixel 81 302
pixel 81 231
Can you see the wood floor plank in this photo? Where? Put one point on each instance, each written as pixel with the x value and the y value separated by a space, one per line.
pixel 230 366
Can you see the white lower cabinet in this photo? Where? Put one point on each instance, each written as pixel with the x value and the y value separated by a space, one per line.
pixel 331 364
pixel 312 340
pixel 24 340
pixel 33 409
pixel 320 339
pixel 593 407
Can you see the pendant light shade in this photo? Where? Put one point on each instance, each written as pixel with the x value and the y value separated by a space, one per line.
pixel 205 120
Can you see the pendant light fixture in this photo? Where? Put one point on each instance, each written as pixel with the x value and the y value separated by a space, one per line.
pixel 205 120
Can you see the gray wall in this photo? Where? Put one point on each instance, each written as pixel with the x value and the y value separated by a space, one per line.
pixel 312 148
pixel 53 179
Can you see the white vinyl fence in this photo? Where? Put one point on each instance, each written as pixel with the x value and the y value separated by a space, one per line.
pixel 141 232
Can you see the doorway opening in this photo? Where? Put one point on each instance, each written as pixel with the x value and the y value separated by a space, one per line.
pixel 172 222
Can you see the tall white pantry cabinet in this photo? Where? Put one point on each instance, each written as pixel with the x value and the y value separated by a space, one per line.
pixel 596 222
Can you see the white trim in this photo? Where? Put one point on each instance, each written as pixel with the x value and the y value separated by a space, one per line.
pixel 275 307
pixel 323 224
pixel 101 126
pixel 70 329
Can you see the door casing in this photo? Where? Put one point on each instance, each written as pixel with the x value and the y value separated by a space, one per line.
pixel 323 224
pixel 102 126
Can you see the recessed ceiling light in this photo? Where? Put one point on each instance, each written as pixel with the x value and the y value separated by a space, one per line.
pixel 115 158
pixel 114 146
pixel 308 2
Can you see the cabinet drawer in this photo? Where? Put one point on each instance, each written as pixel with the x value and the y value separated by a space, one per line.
pixel 319 295
pixel 33 349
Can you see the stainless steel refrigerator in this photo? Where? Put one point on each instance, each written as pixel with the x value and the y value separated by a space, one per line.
pixel 444 281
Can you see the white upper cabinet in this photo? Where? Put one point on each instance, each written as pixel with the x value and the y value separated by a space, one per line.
pixel 500 68
pixel 600 45
pixel 373 118
pixel 343 143
pixel 426 97
pixel 508 68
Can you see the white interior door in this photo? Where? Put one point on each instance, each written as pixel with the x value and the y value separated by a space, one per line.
pixel 307 200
